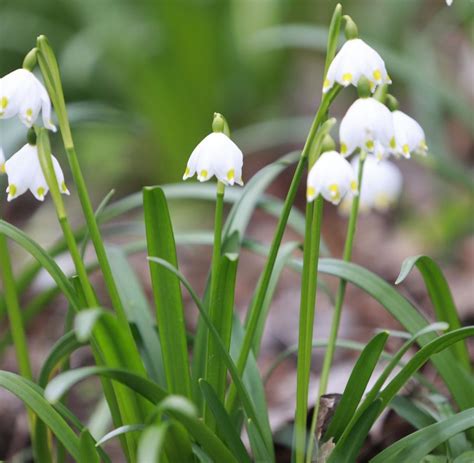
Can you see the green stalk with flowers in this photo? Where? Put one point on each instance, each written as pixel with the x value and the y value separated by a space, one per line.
pixel 209 393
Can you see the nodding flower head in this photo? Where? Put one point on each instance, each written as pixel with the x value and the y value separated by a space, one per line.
pixel 367 125
pixel 409 135
pixel 22 94
pixel 332 177
pixel 381 185
pixel 356 59
pixel 24 173
pixel 216 155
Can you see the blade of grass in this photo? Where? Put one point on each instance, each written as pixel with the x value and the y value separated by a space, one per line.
pixel 229 434
pixel 440 296
pixel 356 386
pixel 239 385
pixel 418 444
pixel 152 443
pixel 185 413
pixel 167 292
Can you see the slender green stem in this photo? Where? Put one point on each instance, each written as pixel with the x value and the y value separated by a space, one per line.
pixel 15 319
pixel 44 153
pixel 50 70
pixel 255 309
pixel 314 212
pixel 341 291
pixel 212 358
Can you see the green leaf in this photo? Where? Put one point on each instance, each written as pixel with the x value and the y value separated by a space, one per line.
pixel 384 398
pixel 239 385
pixel 44 260
pixel 138 312
pixel 216 372
pixel 410 412
pixel 61 349
pixel 120 431
pixel 348 447
pixel 447 365
pixel 224 423
pixel 88 451
pixel 152 443
pixel 84 323
pixel 440 296
pixel 65 381
pixel 167 292
pixel 25 390
pixel 434 347
pixel 259 449
pixel 185 413
pixel 414 447
pixel 356 386
pixel 466 457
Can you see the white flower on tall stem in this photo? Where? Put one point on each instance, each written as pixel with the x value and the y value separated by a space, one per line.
pixel 22 94
pixel 332 177
pixel 356 59
pixel 381 186
pixel 2 161
pixel 24 173
pixel 216 155
pixel 367 124
pixel 409 135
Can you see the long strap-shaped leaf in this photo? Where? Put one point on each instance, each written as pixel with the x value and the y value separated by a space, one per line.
pixel 167 292
pixel 413 448
pixel 64 381
pixel 440 296
pixel 240 387
pixel 356 385
pixel 43 258
pixel 367 418
pixel 23 389
pixel 409 317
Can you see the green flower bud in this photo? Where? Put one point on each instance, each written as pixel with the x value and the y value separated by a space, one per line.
pixel 219 124
pixel 363 87
pixel 30 60
pixel 391 102
pixel 31 136
pixel 350 29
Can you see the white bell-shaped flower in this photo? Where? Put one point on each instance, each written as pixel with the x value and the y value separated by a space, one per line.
pixel 381 186
pixel 2 161
pixel 367 124
pixel 22 94
pixel 409 135
pixel 216 155
pixel 25 173
pixel 332 177
pixel 356 59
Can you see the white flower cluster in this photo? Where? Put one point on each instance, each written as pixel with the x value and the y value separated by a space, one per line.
pixel 23 95
pixel 370 127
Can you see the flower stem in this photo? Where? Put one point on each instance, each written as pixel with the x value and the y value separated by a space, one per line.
pixel 255 309
pixel 50 70
pixel 314 211
pixel 341 291
pixel 44 154
pixel 212 359
pixel 16 322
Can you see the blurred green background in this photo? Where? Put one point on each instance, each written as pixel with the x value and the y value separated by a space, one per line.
pixel 143 78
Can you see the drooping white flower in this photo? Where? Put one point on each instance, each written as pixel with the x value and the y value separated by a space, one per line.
pixel 409 135
pixel 22 94
pixel 25 173
pixel 449 2
pixel 332 177
pixel 381 185
pixel 2 161
pixel 367 123
pixel 356 59
pixel 216 155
